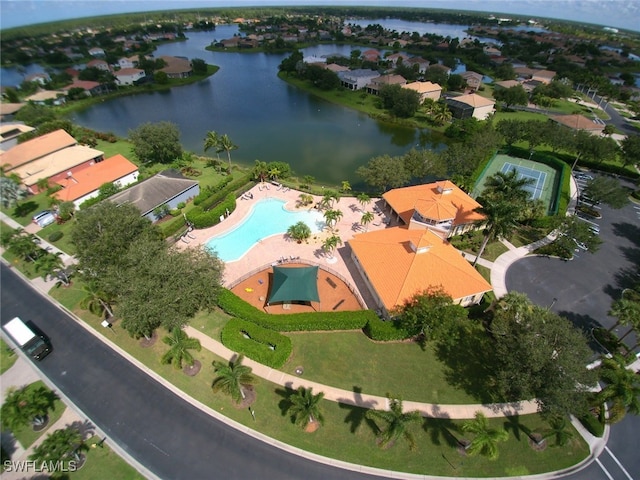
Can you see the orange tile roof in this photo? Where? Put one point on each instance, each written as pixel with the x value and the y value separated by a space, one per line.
pixel 405 200
pixel 397 271
pixel 36 148
pixel 93 177
pixel 578 122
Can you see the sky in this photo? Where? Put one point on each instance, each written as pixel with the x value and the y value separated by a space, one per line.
pixel 610 13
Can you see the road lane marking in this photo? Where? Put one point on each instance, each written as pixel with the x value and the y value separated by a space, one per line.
pixel 604 469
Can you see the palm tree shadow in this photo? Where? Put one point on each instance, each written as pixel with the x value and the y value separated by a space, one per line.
pixel 441 431
pixel 285 403
pixel 513 423
pixel 357 412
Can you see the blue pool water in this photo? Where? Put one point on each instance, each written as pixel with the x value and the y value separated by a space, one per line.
pixel 267 217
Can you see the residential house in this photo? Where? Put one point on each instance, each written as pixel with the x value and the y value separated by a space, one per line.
pixel 91 89
pixel 96 52
pixel 422 64
pixel 473 79
pixel 8 110
pixel 9 133
pixel 85 183
pixel 440 206
pixel 334 67
pixel 129 76
pixel 357 79
pixel 35 148
pixel 425 90
pixel 471 105
pixel 371 55
pixel 443 68
pixel 579 122
pixel 42 78
pixel 99 64
pixel 544 76
pixel 177 67
pixel 56 165
pixel 46 97
pixel 168 188
pixel 378 82
pixel 128 62
pixel 397 263
pixel 398 58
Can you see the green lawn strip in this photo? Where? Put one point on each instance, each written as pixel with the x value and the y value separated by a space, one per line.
pixel 26 208
pixel 7 357
pixel 24 266
pixel 346 435
pixel 26 435
pixel 373 368
pixel 494 250
pixel 64 243
pixel 104 463
pixel 120 146
pixel 485 272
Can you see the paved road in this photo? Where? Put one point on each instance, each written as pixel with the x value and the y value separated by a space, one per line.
pixel 156 427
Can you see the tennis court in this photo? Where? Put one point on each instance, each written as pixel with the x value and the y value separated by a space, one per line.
pixel 545 179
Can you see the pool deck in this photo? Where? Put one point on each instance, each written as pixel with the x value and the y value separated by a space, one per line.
pixel 269 250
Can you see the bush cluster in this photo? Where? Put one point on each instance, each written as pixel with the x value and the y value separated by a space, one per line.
pixel 209 191
pixel 55 236
pixel 203 219
pixel 260 344
pixel 384 331
pixel 295 322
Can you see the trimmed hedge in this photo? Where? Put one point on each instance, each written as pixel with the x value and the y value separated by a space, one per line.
pixel 172 226
pixel 55 236
pixel 295 322
pixel 203 219
pixel 377 329
pixel 595 425
pixel 260 344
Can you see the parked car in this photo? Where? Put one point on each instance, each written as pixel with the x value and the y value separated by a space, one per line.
pixel 44 218
pixel 583 176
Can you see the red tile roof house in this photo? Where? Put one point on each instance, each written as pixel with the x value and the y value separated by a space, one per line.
pixel 168 187
pixel 85 183
pixel 129 76
pixel 90 88
pixel 99 64
pixel 371 55
pixel 397 263
pixel 423 64
pixel 579 122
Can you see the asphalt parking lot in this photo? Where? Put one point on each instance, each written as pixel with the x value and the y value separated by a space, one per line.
pixel 582 289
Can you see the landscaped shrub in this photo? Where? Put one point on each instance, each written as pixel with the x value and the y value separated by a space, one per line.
pixel 203 219
pixel 55 236
pixel 172 226
pixel 384 331
pixel 594 424
pixel 260 344
pixel 295 322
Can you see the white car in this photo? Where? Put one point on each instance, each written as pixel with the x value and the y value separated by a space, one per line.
pixel 44 218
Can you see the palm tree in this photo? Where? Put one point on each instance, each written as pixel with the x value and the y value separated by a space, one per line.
pixel 307 180
pixel 59 447
pixel 558 430
pixel 486 438
pixel 367 218
pixel 332 217
pixel 24 245
pixel 274 172
pixel 96 300
pixel 10 192
pixel 397 423
pixel 232 378
pixel 627 310
pixel 331 243
pixel 179 345
pixel 305 407
pixel 48 264
pixel 363 199
pixel 507 187
pixel 346 186
pixel 299 231
pixel 212 140
pixel 500 221
pixel 29 404
pixel 622 388
pixel 440 113
pixel 260 170
pixel 226 145
pixel 304 199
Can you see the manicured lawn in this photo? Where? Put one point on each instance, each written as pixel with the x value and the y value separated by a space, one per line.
pixel 121 146
pixel 349 360
pixel 7 357
pixel 26 435
pixel 64 243
pixel 104 463
pixel 347 435
pixel 25 210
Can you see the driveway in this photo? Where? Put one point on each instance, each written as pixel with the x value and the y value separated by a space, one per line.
pixel 582 289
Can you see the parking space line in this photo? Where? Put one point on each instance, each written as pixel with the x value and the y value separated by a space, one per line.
pixel 618 463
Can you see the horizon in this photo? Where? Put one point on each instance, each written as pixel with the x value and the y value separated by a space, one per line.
pixel 621 14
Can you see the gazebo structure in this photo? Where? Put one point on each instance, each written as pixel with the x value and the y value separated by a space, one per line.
pixel 294 284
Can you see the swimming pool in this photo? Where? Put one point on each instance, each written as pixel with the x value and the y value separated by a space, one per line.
pixel 267 217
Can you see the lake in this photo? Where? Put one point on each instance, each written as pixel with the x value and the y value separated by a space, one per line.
pixel 268 119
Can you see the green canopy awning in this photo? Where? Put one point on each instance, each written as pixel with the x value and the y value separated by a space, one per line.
pixel 294 284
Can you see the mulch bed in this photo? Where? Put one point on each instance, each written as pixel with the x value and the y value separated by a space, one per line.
pixel 146 343
pixel 249 398
pixel 192 370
